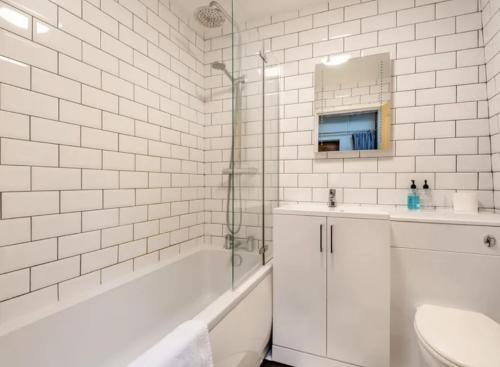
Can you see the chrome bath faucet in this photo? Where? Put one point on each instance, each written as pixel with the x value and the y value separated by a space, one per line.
pixel 332 198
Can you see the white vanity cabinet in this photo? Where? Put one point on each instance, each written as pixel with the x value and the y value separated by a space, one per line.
pixel 331 291
pixel 299 273
pixel 358 291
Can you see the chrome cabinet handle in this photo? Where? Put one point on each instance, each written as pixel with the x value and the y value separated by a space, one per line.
pixel 490 241
pixel 320 238
pixel 331 238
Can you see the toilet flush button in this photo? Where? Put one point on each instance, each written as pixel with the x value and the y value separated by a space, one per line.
pixel 490 241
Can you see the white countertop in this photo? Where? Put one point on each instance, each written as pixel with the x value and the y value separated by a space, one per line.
pixel 394 214
pixel 348 211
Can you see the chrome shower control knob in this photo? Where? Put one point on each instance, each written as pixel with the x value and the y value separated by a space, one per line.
pixel 490 241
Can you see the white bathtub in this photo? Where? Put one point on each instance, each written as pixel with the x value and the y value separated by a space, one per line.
pixel 114 325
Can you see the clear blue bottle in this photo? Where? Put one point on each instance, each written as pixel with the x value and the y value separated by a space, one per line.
pixel 413 200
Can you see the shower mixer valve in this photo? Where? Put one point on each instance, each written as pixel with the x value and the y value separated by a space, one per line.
pixel 246 243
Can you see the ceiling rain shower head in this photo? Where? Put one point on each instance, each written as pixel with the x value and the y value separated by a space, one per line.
pixel 210 16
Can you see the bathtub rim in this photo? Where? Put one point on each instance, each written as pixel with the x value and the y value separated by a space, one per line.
pixel 35 316
pixel 226 302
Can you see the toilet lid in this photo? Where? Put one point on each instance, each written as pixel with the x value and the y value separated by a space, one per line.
pixel 465 338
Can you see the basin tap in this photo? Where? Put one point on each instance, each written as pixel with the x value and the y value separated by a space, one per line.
pixel 332 199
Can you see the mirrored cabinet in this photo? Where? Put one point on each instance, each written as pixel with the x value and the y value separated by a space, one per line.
pixel 353 104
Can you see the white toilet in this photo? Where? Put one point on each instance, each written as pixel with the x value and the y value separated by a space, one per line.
pixel 450 337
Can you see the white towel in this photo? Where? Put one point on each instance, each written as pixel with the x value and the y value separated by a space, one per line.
pixel 187 346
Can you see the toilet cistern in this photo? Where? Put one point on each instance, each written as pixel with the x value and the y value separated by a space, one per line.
pixel 332 198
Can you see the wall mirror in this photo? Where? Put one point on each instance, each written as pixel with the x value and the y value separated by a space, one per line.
pixel 353 103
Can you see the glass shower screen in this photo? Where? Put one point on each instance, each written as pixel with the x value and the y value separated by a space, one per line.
pixel 254 152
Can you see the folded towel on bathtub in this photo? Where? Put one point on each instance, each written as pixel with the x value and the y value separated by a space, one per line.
pixel 187 346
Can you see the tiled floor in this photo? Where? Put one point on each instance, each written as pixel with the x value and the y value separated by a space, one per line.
pixel 272 364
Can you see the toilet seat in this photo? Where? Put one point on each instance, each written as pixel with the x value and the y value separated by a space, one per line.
pixel 433 353
pixel 459 338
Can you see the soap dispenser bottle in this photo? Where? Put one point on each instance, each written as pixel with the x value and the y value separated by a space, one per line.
pixel 413 201
pixel 426 196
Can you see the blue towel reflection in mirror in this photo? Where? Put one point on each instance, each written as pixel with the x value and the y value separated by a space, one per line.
pixel 364 140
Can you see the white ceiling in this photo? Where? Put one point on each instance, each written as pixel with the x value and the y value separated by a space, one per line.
pixel 255 9
pixel 244 10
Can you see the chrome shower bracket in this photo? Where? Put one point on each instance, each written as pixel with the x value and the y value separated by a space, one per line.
pixel 263 55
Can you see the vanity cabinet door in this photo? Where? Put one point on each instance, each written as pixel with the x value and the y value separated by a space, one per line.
pixel 299 274
pixel 358 291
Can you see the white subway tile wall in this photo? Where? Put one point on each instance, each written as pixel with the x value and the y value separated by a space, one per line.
pixel 440 100
pixel 101 110
pixel 114 129
pixel 491 27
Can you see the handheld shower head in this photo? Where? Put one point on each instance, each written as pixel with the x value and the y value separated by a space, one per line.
pixel 217 65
